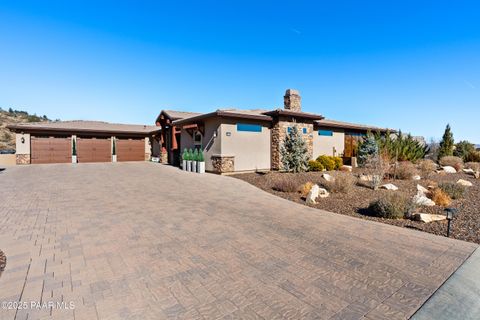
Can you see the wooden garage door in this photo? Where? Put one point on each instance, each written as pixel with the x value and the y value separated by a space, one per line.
pixel 130 149
pixel 51 150
pixel 94 150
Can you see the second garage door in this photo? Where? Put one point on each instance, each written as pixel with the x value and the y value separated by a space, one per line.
pixel 94 150
pixel 130 149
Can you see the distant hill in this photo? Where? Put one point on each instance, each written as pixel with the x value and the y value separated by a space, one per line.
pixel 10 116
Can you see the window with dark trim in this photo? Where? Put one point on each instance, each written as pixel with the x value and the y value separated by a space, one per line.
pixel 248 127
pixel 328 133
pixel 304 130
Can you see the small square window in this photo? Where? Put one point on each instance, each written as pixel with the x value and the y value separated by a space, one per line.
pixel 249 127
pixel 304 130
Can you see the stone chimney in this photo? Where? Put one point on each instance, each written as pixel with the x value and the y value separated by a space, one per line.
pixel 292 100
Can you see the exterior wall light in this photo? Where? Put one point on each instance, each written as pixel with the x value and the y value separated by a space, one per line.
pixel 450 213
pixel 22 140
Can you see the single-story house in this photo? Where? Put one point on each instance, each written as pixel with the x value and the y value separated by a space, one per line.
pixel 93 141
pixel 246 140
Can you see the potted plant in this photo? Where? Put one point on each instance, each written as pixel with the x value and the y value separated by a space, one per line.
pixel 114 151
pixel 200 162
pixel 189 160
pixel 74 150
pixel 194 160
pixel 184 159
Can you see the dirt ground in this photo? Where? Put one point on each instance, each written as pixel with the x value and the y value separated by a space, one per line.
pixel 465 226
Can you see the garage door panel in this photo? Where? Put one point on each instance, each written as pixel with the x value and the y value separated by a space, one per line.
pixel 130 149
pixel 93 150
pixel 51 150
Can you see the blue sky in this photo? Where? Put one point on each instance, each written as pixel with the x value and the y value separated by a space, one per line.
pixel 413 65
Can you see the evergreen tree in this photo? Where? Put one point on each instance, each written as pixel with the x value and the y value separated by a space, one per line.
pixel 294 152
pixel 368 148
pixel 447 143
pixel 463 149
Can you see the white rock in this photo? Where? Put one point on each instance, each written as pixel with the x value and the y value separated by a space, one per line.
pixel 366 177
pixel 422 200
pixel 323 193
pixel 449 169
pixel 470 171
pixel 328 177
pixel 464 183
pixel 389 186
pixel 313 194
pixel 346 168
pixel 416 177
pixel 425 217
pixel 421 190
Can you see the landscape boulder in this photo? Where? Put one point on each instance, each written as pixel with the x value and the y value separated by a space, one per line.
pixel 426 217
pixel 416 177
pixel 422 200
pixel 389 186
pixel 421 190
pixel 366 177
pixel 313 194
pixel 469 171
pixel 464 183
pixel 328 177
pixel 449 169
pixel 346 168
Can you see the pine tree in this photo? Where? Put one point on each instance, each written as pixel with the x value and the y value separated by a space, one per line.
pixel 294 152
pixel 367 149
pixel 447 143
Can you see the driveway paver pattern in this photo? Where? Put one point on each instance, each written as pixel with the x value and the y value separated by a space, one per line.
pixel 147 241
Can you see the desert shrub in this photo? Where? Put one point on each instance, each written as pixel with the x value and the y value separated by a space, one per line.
pixel 285 184
pixel 327 162
pixel 475 166
pixel 305 188
pixel 440 197
pixel 314 165
pixel 463 149
pixel 400 147
pixel 427 167
pixel 453 190
pixel 473 156
pixel 343 183
pixel 294 152
pixel 391 206
pixel 338 162
pixel 452 161
pixel 405 170
pixel 375 167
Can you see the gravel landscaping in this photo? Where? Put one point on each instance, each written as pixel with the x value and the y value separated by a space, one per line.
pixel 465 226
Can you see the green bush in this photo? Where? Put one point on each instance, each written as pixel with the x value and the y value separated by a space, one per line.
pixel 401 148
pixel 454 190
pixel 195 155
pixel 294 152
pixel 463 149
pixel 392 206
pixel 190 155
pixel 314 165
pixel 327 162
pixel 338 162
pixel 201 157
pixel 185 155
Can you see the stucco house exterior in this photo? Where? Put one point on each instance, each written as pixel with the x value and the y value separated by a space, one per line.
pixel 249 140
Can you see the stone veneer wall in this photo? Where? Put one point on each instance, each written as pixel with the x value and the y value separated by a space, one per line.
pixel 279 132
pixel 22 158
pixel 223 164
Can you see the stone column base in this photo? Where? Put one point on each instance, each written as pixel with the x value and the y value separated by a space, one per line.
pixel 164 157
pixel 223 164
pixel 22 158
pixel 147 156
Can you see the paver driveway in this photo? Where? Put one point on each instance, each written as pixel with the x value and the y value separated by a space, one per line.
pixel 146 241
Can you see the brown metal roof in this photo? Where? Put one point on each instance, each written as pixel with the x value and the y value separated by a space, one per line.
pixel 84 126
pixel 177 115
pixel 227 113
pixel 303 115
pixel 349 125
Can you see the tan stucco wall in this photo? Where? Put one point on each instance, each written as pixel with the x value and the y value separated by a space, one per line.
pixel 250 149
pixel 211 145
pixel 323 145
pixel 8 160
pixel 22 148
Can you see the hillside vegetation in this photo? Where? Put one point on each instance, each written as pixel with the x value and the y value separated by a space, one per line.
pixel 10 116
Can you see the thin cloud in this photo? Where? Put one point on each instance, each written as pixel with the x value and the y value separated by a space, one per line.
pixel 469 84
pixel 295 31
